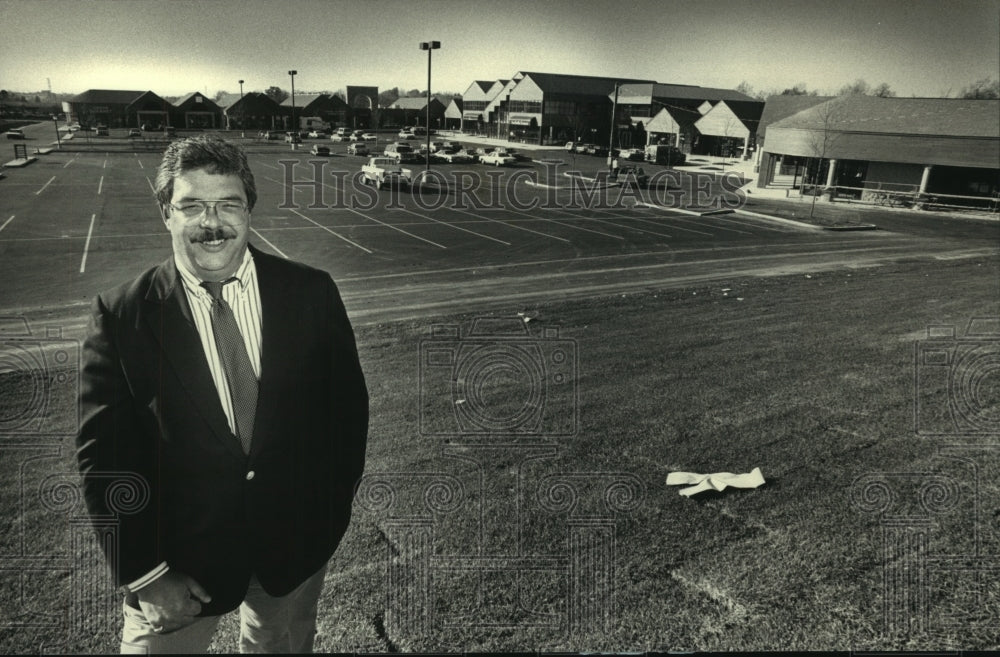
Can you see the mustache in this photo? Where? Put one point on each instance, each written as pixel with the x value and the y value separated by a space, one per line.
pixel 212 234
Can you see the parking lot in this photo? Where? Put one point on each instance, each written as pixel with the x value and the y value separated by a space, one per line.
pixel 78 221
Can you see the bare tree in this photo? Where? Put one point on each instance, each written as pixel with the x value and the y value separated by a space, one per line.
pixel 981 89
pixel 822 140
pixel 883 91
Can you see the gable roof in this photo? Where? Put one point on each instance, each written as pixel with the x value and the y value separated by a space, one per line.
pixel 187 98
pixel 557 83
pixel 416 103
pixel 780 107
pixel 106 96
pixel 957 117
pixel 228 100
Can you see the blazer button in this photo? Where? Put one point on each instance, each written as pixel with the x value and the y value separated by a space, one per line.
pixel 250 475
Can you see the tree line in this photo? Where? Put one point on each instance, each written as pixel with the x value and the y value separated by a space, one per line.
pixel 984 88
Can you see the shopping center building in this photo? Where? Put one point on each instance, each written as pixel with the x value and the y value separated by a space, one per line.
pixel 879 149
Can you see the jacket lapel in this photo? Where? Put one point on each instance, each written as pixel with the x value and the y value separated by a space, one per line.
pixel 277 337
pixel 169 319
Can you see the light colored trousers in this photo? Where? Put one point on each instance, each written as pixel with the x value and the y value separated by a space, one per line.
pixel 267 624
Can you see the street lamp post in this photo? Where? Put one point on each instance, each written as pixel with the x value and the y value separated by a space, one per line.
pixel 55 122
pixel 429 46
pixel 293 74
pixel 243 126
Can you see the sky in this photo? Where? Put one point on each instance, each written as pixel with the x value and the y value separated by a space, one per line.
pixel 173 47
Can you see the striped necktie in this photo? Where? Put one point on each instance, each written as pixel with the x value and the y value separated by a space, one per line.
pixel 235 361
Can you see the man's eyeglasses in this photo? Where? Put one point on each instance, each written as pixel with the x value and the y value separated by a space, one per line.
pixel 225 209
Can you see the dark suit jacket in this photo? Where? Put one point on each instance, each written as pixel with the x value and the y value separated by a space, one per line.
pixel 149 407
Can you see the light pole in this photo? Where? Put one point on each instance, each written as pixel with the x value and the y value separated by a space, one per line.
pixel 429 46
pixel 243 126
pixel 55 122
pixel 293 74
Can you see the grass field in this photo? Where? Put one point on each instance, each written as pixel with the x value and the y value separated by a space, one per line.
pixel 515 496
pixel 810 378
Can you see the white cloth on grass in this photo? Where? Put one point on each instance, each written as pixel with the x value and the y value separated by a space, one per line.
pixel 715 481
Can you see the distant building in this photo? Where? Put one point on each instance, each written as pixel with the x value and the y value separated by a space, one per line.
pixel 453 114
pixel 474 102
pixel 196 110
pixel 670 113
pixel 552 108
pixel 413 111
pixel 119 109
pixel 866 146
pixel 362 103
pixel 254 111
pixel 326 108
pixel 728 128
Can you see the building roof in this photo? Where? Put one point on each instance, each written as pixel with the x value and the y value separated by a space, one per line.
pixel 957 117
pixel 106 96
pixel 557 83
pixel 780 107
pixel 187 98
pixel 228 100
pixel 416 103
pixel 651 91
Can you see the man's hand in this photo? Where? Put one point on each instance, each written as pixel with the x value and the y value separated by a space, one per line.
pixel 172 601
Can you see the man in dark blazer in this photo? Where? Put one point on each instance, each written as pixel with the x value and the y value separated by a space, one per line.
pixel 244 478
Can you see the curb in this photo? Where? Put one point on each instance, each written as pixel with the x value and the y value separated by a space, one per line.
pixel 694 213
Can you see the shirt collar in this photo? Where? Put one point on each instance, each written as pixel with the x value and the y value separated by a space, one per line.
pixel 192 283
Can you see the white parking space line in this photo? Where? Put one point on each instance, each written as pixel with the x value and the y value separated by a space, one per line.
pixel 71 160
pixel 753 225
pixel 442 246
pixel 332 232
pixel 438 221
pixel 139 161
pixel 7 222
pixel 86 245
pixel 567 225
pixel 269 166
pixel 45 185
pixel 731 230
pixel 150 183
pixel 268 242
pixel 105 165
pixel 641 230
pixel 673 227
pixel 536 232
pixel 100 185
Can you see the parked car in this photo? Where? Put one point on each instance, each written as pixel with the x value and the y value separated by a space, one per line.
pixel 385 171
pixel 497 158
pixel 293 138
pixel 319 132
pixel 171 131
pixel 369 136
pixel 15 134
pixel 632 154
pixel 518 155
pixel 270 135
pixel 453 156
pixel 102 131
pixel 134 132
pixel 663 154
pixel 571 146
pixel 320 150
pixel 357 148
pixel 400 151
pixel 406 134
pixel 631 176
pixel 357 135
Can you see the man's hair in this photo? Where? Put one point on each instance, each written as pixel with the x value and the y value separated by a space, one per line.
pixel 213 154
